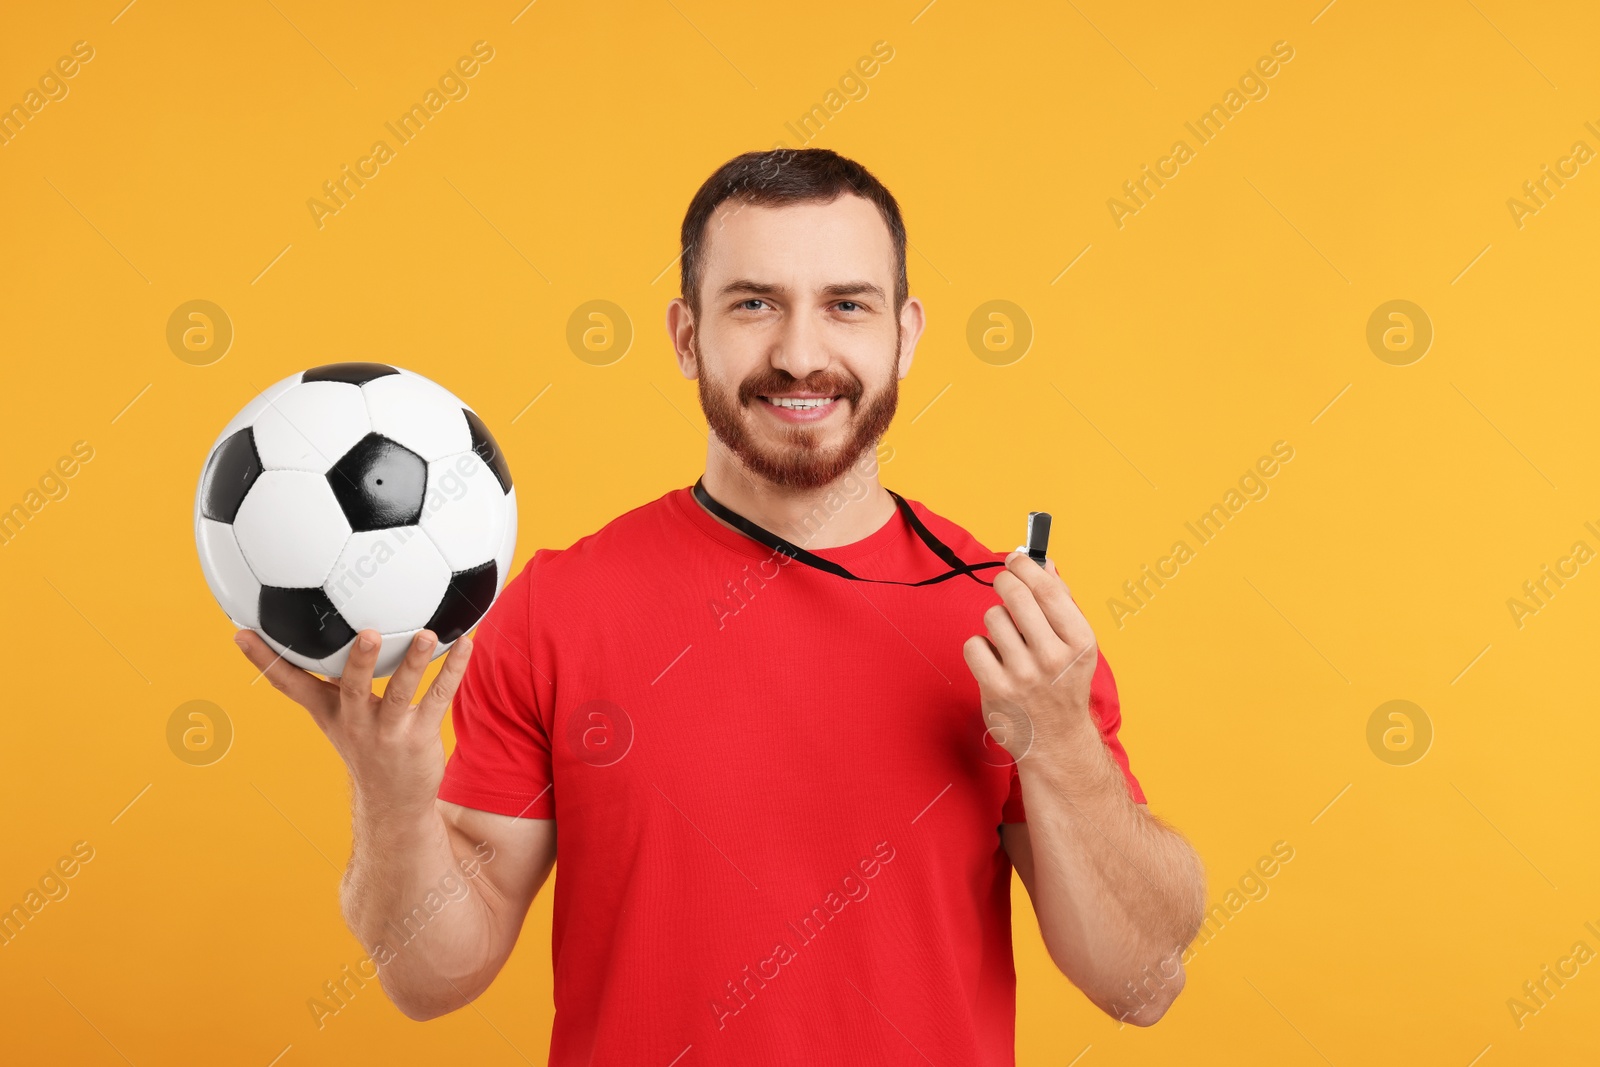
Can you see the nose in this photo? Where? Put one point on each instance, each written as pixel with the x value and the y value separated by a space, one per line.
pixel 799 350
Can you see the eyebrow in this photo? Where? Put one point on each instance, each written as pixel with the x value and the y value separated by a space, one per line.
pixel 835 290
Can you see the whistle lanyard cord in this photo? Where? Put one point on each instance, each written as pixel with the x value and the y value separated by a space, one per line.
pixel 795 552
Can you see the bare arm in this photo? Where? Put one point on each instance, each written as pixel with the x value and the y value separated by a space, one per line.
pixel 438 899
pixel 435 892
pixel 1118 893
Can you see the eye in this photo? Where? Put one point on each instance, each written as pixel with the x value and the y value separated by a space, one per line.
pixel 848 305
pixel 745 304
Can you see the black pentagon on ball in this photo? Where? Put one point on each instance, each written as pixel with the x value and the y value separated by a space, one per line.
pixel 379 484
pixel 488 450
pixel 304 620
pixel 230 472
pixel 469 596
pixel 354 373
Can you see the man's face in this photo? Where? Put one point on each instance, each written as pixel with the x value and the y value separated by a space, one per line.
pixel 797 349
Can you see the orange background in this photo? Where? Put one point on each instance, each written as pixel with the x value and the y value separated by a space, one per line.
pixel 1228 313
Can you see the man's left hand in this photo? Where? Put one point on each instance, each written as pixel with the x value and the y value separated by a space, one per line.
pixel 1034 667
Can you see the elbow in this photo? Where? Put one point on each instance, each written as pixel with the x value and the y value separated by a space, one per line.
pixel 422 1008
pixel 412 1003
pixel 1143 1001
pixel 427 1000
pixel 418 1012
pixel 1148 1005
pixel 422 1013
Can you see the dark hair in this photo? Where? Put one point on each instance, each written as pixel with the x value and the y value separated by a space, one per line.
pixel 786 176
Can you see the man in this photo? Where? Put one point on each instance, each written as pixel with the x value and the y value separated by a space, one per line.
pixel 790 791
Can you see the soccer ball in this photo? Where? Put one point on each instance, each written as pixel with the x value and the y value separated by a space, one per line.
pixel 355 496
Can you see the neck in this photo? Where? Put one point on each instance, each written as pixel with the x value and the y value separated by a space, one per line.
pixel 842 512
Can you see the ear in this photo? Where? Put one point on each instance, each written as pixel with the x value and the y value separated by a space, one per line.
pixel 913 319
pixel 681 332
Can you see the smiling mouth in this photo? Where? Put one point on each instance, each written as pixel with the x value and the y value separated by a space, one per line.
pixel 798 403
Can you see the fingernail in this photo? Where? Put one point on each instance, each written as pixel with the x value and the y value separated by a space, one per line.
pixel 367 644
pixel 425 642
pixel 239 641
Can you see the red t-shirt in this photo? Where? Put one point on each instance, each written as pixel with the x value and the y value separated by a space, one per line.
pixel 778 805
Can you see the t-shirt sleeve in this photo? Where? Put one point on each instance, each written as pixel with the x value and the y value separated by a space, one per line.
pixel 501 762
pixel 1107 712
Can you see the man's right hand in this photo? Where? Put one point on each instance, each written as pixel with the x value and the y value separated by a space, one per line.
pixel 393 749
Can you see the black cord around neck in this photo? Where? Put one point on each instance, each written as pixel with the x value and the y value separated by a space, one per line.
pixel 795 552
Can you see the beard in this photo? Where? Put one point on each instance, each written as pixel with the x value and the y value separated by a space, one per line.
pixel 798 459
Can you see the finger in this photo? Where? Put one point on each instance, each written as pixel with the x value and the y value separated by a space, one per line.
pixel 302 687
pixel 1024 607
pixel 1003 633
pixel 443 690
pixel 403 685
pixel 355 684
pixel 983 662
pixel 1054 600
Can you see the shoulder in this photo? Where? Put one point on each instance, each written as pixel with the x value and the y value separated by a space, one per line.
pixel 966 547
pixel 965 544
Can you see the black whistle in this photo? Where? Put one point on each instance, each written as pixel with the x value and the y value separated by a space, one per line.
pixel 1038 535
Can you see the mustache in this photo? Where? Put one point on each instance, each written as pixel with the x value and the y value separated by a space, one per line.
pixel 782 382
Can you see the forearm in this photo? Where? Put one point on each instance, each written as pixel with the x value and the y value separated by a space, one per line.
pixel 411 895
pixel 1118 894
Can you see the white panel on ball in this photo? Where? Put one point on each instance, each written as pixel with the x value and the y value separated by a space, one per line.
pixel 290 529
pixel 464 510
pixel 246 417
pixel 228 575
pixel 413 411
pixel 396 645
pixel 310 426
pixel 388 578
pixel 390 654
pixel 305 663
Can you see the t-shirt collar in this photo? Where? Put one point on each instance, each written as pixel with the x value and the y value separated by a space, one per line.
pixel 887 534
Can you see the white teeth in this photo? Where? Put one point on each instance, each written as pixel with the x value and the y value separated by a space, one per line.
pixel 798 404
